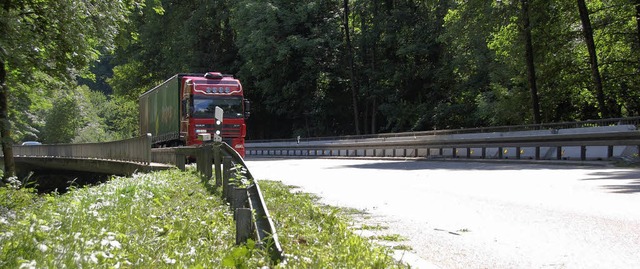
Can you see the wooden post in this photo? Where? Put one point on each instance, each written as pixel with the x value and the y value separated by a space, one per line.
pixel 226 164
pixel 243 225
pixel 180 161
pixel 239 198
pixel 217 161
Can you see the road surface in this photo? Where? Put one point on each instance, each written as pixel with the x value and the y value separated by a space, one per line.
pixel 483 215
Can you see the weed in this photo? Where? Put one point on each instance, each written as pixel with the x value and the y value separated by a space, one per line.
pixel 402 247
pixel 376 227
pixel 389 237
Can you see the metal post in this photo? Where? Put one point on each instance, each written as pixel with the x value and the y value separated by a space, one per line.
pixel 583 153
pixel 518 153
pixel 537 153
pixel 559 153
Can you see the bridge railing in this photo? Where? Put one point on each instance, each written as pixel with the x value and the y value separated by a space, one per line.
pixel 136 150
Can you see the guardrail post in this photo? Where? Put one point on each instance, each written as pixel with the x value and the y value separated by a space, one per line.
pixel 609 152
pixel 243 225
pixel 147 148
pixel 537 153
pixel 583 153
pixel 217 162
pixel 559 153
pixel 518 153
pixel 226 164
pixel 180 161
pixel 239 198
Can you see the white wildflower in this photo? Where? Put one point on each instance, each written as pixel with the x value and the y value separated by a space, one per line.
pixel 43 247
pixel 45 228
pixel 192 251
pixel 28 265
pixel 93 258
pixel 110 241
pixel 168 260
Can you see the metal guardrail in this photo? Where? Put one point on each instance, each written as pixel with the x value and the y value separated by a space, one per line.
pixel 246 200
pixel 130 150
pixel 423 146
pixel 509 128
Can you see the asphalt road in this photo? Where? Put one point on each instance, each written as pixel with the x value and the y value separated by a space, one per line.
pixel 483 215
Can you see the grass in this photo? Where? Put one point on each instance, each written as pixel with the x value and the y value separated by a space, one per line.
pixel 159 220
pixel 316 236
pixel 389 237
pixel 170 219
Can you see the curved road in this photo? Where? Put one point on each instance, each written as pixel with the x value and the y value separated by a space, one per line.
pixel 483 215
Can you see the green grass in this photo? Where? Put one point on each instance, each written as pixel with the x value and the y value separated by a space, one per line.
pixel 170 219
pixel 389 237
pixel 316 236
pixel 159 220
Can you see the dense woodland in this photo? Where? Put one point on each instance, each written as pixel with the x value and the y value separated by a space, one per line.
pixel 72 70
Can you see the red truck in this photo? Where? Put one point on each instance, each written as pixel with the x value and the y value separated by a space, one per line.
pixel 180 111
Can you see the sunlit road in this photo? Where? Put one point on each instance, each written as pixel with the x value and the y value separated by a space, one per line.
pixel 484 215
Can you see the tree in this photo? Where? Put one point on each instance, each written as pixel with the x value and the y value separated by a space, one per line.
pixel 58 38
pixel 528 54
pixel 352 80
pixel 587 32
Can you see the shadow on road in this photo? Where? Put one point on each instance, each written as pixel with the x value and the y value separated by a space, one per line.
pixel 457 165
pixel 630 187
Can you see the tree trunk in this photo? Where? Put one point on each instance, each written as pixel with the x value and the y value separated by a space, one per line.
pixel 638 28
pixel 5 125
pixel 587 31
pixel 354 91
pixel 531 71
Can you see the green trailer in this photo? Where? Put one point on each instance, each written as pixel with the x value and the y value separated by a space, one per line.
pixel 160 111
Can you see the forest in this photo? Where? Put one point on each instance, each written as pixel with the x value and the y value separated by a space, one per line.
pixel 72 71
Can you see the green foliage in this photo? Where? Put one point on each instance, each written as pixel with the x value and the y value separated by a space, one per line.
pixel 159 220
pixel 418 65
pixel 62 122
pixel 316 236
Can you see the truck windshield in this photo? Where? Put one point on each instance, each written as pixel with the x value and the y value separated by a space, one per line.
pixel 205 107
